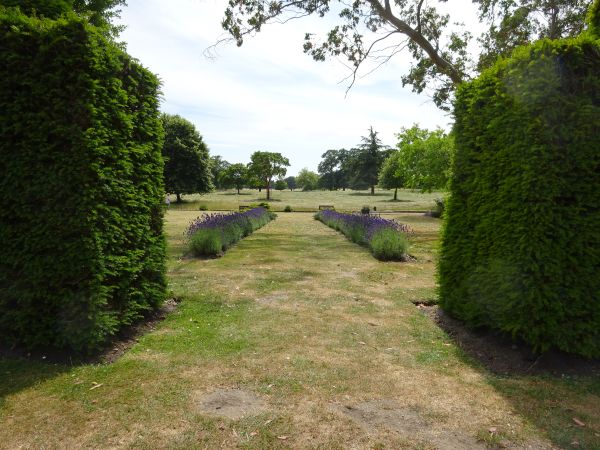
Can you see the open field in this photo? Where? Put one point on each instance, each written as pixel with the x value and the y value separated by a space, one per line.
pixel 349 200
pixel 303 340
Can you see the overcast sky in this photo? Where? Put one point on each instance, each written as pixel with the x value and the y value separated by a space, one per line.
pixel 268 95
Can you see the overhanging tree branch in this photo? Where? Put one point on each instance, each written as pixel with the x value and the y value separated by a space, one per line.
pixel 443 65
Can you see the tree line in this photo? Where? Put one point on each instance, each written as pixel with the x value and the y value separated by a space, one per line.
pixel 189 168
pixel 420 160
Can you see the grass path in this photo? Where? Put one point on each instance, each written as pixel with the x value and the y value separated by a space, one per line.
pixel 326 338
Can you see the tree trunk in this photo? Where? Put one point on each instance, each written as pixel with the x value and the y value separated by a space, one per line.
pixel 396 194
pixel 372 190
pixel 178 197
pixel 238 191
pixel 259 189
pixel 268 193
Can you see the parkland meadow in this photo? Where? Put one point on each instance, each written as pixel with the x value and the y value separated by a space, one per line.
pixel 348 200
pixel 295 338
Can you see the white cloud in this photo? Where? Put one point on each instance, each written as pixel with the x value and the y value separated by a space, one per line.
pixel 267 95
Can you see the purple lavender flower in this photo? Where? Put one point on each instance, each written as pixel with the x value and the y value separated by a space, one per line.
pixel 362 228
pixel 220 220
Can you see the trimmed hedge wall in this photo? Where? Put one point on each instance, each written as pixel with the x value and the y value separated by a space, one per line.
pixel 81 187
pixel 521 244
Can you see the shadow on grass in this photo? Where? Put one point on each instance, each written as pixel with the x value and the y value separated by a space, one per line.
pixel 19 374
pixel 368 194
pixel 235 193
pixel 395 201
pixel 264 199
pixel 555 392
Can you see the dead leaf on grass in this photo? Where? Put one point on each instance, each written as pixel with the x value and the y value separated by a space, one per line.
pixel 96 385
pixel 578 422
pixel 282 438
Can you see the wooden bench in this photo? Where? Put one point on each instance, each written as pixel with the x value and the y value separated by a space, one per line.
pixel 245 207
pixel 324 207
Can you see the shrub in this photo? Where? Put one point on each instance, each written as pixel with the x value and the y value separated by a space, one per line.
pixel 203 208
pixel 439 208
pixel 82 196
pixel 388 244
pixel 211 234
pixel 206 242
pixel 365 210
pixel 288 208
pixel 521 244
pixel 373 232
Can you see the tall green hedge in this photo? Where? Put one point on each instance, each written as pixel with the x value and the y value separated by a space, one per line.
pixel 521 244
pixel 81 189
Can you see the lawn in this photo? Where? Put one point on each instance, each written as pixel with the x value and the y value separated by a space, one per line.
pixel 305 341
pixel 349 200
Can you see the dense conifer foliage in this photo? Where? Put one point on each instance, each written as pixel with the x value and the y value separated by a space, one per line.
pixel 521 246
pixel 81 185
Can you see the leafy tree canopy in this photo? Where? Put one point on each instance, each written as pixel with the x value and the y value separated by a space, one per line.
pixel 218 167
pixel 423 160
pixel 291 183
pixel 307 180
pixel 281 185
pixel 187 164
pixel 370 32
pixel 391 175
pixel 264 166
pixel 235 175
pixel 513 24
pixel 332 169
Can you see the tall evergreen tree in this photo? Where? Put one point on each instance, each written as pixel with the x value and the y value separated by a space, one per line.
pixel 365 161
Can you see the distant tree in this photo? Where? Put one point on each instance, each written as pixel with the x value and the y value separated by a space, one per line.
pixel 253 181
pixel 281 185
pixel 187 165
pixel 364 162
pixel 218 166
pixel 291 183
pixel 235 175
pixel 267 165
pixel 307 180
pixel 332 169
pixel 391 175
pixel 424 158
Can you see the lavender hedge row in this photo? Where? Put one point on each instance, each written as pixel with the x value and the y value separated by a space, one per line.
pixel 385 238
pixel 212 234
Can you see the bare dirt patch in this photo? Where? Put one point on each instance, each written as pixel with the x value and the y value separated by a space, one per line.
pixel 388 414
pixel 232 404
pixel 273 300
pixel 503 356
